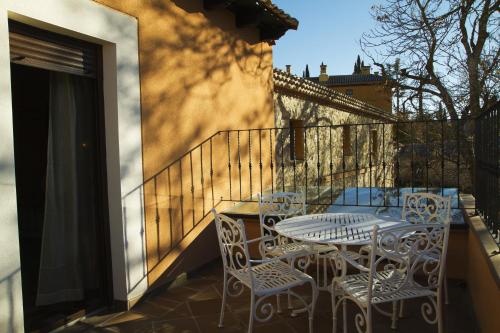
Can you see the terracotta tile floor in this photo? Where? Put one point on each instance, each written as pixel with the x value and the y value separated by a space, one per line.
pixel 194 307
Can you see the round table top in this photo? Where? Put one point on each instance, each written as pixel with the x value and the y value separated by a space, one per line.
pixel 332 228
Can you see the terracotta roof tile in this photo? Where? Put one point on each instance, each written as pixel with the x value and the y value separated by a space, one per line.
pixel 350 79
pixel 280 14
pixel 306 87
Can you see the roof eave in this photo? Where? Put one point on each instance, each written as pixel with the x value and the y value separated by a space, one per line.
pixel 272 22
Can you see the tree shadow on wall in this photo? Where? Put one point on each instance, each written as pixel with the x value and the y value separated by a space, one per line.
pixel 191 56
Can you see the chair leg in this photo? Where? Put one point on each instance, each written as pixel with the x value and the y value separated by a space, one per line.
pixel 394 323
pixel 344 316
pixel 439 312
pixel 369 321
pixel 401 308
pixel 334 309
pixel 445 282
pixel 278 304
pixel 252 313
pixel 289 298
pixel 313 306
pixel 224 296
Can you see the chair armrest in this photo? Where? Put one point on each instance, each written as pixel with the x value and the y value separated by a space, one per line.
pixel 292 256
pixel 349 259
pixel 259 239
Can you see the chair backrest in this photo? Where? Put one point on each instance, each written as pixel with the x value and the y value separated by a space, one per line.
pixel 426 208
pixel 278 206
pixel 408 256
pixel 232 243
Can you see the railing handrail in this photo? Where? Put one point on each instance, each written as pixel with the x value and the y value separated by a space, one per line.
pixel 333 126
pixel 171 164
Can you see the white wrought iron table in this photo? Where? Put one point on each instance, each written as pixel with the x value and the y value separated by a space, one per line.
pixel 338 229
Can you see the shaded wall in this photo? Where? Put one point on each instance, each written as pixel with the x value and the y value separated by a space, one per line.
pixel 199 74
pixel 330 168
pixel 378 95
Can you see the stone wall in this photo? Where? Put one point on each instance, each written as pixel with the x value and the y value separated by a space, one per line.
pixel 332 159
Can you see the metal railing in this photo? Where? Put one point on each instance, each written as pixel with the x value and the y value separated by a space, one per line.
pixel 368 164
pixel 174 200
pixel 487 165
pixel 352 164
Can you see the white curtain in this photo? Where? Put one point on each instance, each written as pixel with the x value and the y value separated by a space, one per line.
pixel 68 258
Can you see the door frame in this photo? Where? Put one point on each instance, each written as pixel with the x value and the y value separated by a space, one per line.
pixel 103 225
pixel 118 35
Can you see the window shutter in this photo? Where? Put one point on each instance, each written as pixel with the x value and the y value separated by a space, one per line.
pixel 52 52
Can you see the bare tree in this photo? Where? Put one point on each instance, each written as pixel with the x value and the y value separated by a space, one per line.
pixel 449 50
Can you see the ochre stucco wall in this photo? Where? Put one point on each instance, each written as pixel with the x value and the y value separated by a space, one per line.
pixel 483 288
pixel 378 95
pixel 199 74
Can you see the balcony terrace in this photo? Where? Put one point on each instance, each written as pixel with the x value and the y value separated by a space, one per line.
pixel 193 306
pixel 365 171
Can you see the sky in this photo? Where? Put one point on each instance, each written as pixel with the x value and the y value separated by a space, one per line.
pixel 329 31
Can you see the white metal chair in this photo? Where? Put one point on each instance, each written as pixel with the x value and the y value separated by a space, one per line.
pixel 426 208
pixel 276 207
pixel 421 208
pixel 408 262
pixel 264 278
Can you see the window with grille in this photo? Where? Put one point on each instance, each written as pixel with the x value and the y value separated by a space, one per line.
pixel 296 139
pixel 346 140
pixel 374 143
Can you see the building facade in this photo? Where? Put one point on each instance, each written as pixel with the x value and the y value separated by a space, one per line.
pixel 328 140
pixel 160 77
pixel 370 88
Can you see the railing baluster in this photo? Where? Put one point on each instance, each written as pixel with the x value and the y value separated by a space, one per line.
pixel 343 163
pixel 202 180
pixel 250 160
pixel 331 165
pixel 318 165
pixel 212 173
pixel 282 135
pixel 383 164
pixel 305 160
pixel 157 221
pixel 458 162
pixel 371 150
pixel 239 161
pixel 170 210
pixel 181 198
pixel 356 161
pixel 398 180
pixel 412 157
pixel 192 187
pixel 294 160
pixel 442 157
pixel 272 162
pixel 229 164
pixel 260 159
pixel 427 150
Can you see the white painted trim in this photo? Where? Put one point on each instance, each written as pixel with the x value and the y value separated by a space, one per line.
pixel 118 34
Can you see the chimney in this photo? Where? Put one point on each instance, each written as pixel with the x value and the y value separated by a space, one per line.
pixel 289 69
pixel 323 76
pixel 365 70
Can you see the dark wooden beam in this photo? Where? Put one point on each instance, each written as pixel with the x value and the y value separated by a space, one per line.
pixel 214 4
pixel 268 33
pixel 246 17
